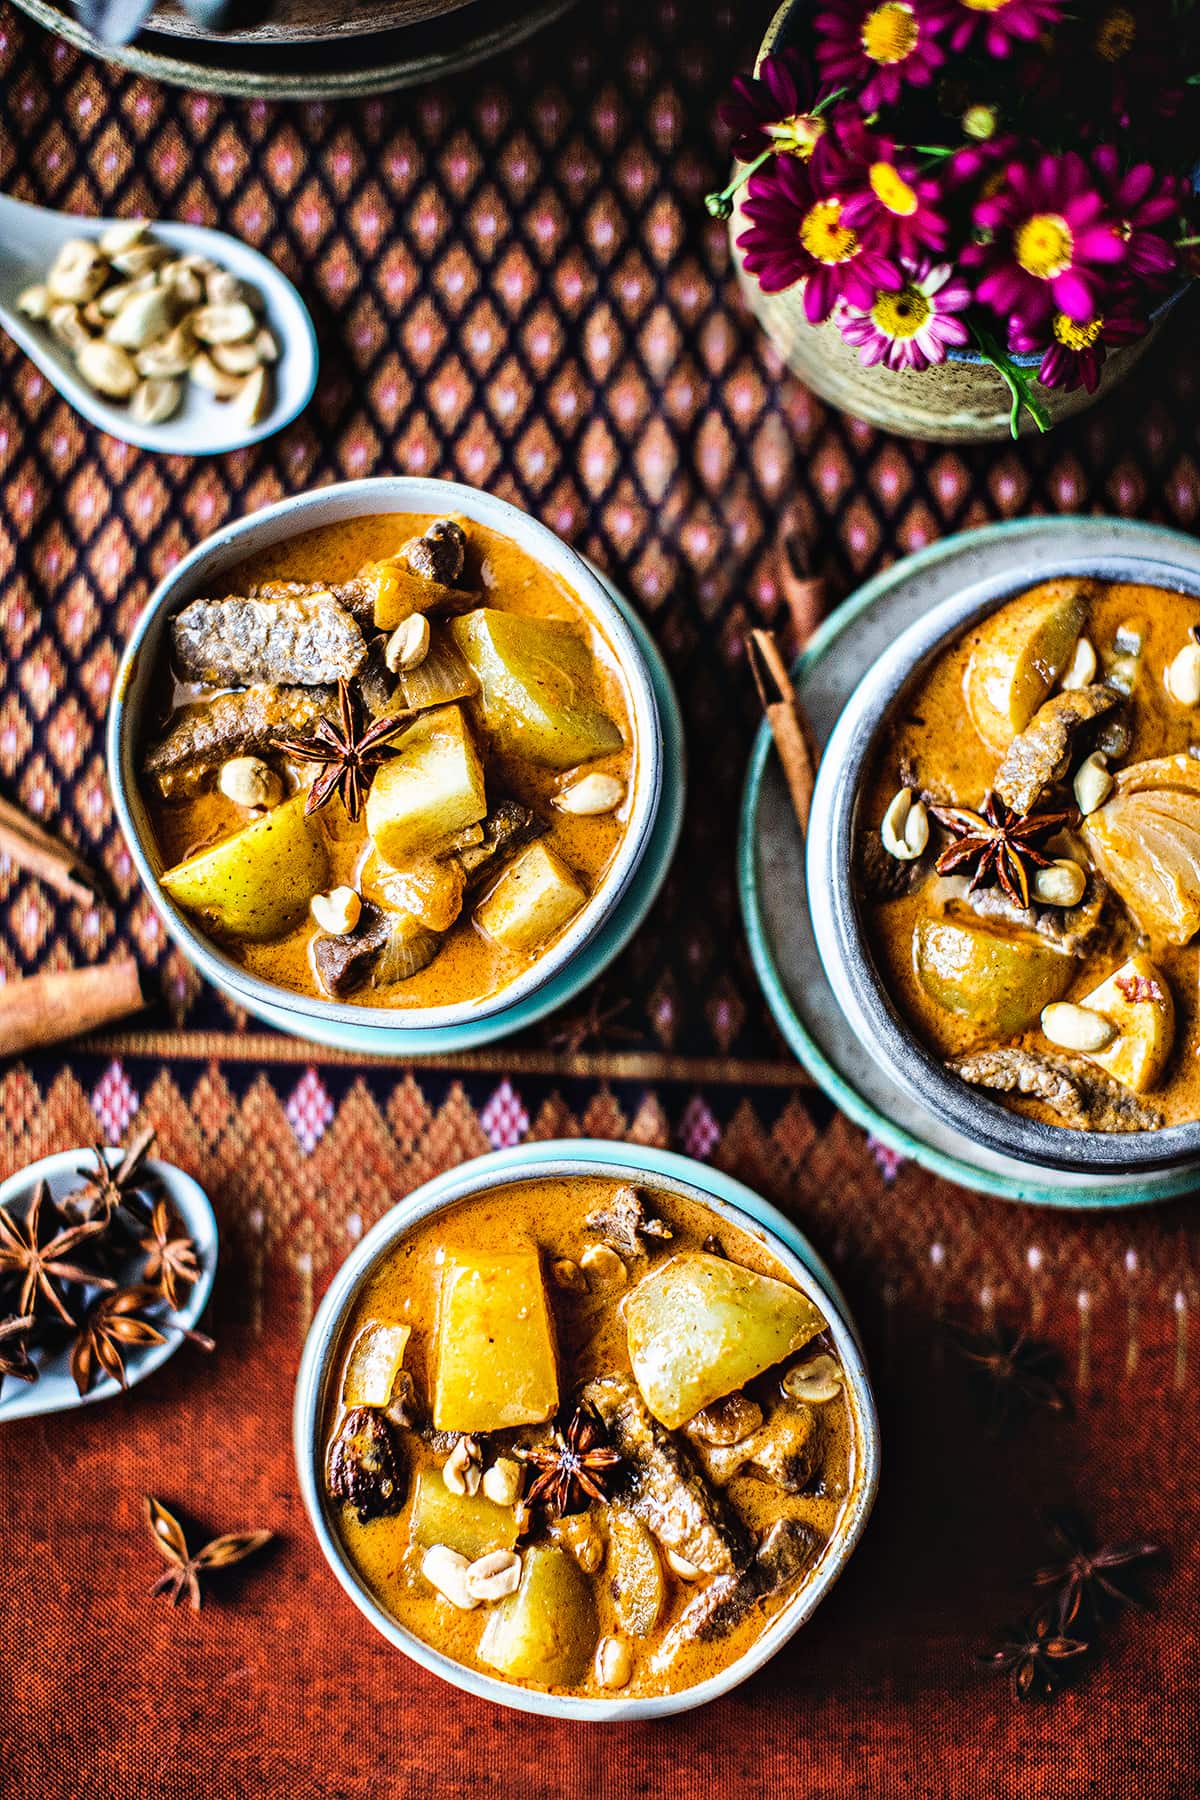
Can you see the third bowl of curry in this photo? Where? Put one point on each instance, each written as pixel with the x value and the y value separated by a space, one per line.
pixel 1004 863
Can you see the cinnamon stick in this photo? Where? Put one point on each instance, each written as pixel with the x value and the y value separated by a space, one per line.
pixel 789 727
pixel 803 589
pixel 65 1003
pixel 31 847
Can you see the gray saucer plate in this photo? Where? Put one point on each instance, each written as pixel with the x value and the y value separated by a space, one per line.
pixel 771 853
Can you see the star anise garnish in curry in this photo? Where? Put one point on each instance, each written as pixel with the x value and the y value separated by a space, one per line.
pixel 1014 1373
pixel 14 1349
pixel 183 1576
pixel 998 844
pixel 1037 1655
pixel 573 1468
pixel 1092 1583
pixel 39 1265
pixel 348 754
pixel 104 1188
pixel 170 1256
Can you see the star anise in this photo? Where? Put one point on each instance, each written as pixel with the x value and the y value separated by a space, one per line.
pixel 1091 1583
pixel 38 1266
pixel 183 1576
pixel 14 1349
pixel 591 1026
pixel 1036 1654
pixel 170 1259
pixel 1001 844
pixel 348 755
pixel 573 1467
pixel 113 1325
pixel 104 1188
pixel 1014 1372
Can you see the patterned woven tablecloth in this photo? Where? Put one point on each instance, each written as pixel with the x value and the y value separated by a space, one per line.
pixel 515 284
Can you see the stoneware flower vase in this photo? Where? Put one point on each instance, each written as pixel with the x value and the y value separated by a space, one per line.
pixel 959 400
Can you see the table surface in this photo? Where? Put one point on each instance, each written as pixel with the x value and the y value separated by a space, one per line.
pixel 515 284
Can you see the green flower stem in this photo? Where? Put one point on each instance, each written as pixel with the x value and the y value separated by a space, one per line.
pixel 1014 379
pixel 720 206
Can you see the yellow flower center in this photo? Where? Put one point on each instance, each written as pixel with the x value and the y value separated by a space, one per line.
pixel 1116 34
pixel 797 136
pixel 823 234
pixel 901 315
pixel 986 5
pixel 1044 245
pixel 1075 336
pixel 979 122
pixel 891 190
pixel 890 32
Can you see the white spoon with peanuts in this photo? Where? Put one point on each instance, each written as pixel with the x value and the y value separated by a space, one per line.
pixel 175 338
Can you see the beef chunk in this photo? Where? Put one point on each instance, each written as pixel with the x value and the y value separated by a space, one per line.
pixel 623 1223
pixel 439 553
pixel 306 641
pixel 202 736
pixel 364 1468
pixel 1042 752
pixel 1082 1095
pixel 724 1602
pixel 347 963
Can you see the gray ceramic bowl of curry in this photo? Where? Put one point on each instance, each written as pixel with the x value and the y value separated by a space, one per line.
pixel 586 1305
pixel 1027 972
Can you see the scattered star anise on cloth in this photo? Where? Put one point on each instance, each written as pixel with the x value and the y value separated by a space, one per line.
pixel 184 1575
pixel 104 1188
pixel 1014 1373
pixel 170 1256
pixel 348 755
pixel 1001 845
pixel 38 1266
pixel 591 1026
pixel 1036 1654
pixel 1092 1583
pixel 573 1468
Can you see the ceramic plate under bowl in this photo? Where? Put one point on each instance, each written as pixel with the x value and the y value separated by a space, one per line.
pixel 54 1390
pixel 539 1162
pixel 771 852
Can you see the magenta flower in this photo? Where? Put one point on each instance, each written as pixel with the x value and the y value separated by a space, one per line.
pixel 773 110
pixel 797 233
pixel 914 327
pixel 1142 201
pixel 884 47
pixel 1052 246
pixel 1002 24
pixel 888 202
pixel 1078 350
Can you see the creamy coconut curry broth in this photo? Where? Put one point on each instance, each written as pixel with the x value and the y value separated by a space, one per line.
pixel 488 781
pixel 1029 855
pixel 586 1437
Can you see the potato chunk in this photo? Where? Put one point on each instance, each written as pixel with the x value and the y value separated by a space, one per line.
pixel 496 1362
pixel 636 1582
pixel 537 679
pixel 999 982
pixel 257 883
pixel 1019 654
pixel 700 1326
pixel 469 1523
pixel 432 787
pixel 546 1631
pixel 534 898
pixel 1137 1000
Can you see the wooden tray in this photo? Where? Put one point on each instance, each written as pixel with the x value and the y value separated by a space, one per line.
pixel 325 69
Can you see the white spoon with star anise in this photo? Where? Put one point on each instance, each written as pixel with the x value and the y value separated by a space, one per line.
pixel 175 338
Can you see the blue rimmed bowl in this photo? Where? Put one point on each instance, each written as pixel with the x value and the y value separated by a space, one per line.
pixel 670 1174
pixel 629 884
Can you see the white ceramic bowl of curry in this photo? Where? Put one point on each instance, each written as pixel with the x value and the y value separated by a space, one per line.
pixel 975 1007
pixel 408 1276
pixel 320 539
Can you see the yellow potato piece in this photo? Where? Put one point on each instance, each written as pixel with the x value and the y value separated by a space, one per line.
pixel 998 982
pixel 257 883
pixel 546 1631
pixel 636 1582
pixel 700 1326
pixel 496 1361
pixel 432 787
pixel 469 1523
pixel 534 898
pixel 1137 999
pixel 1019 654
